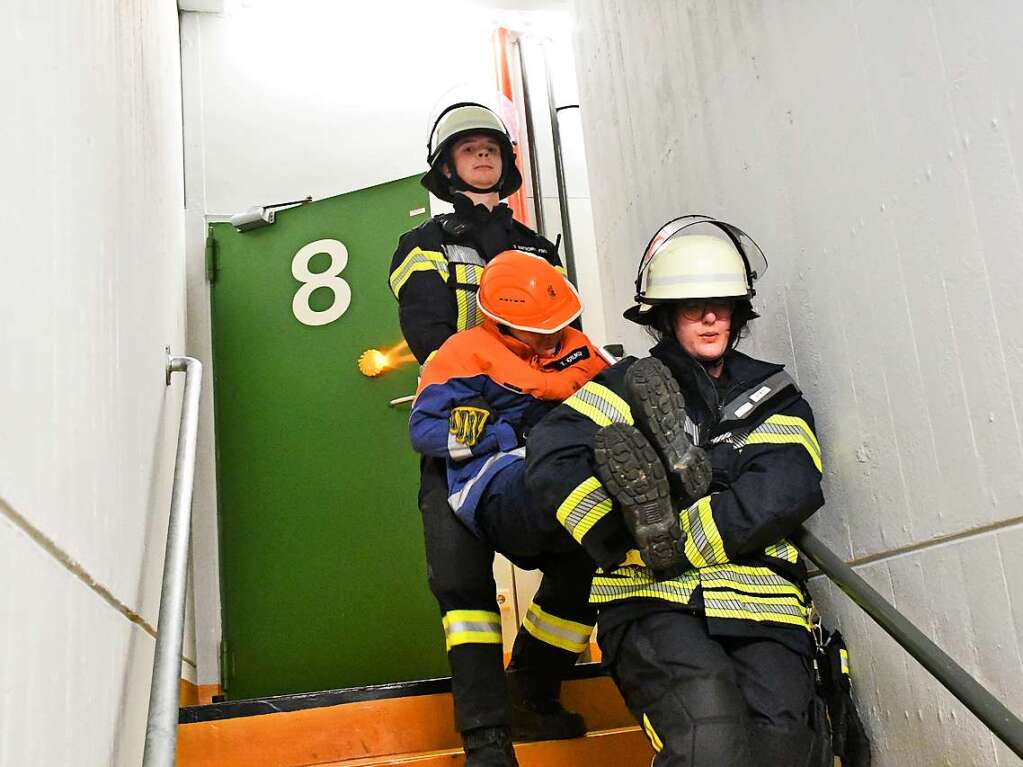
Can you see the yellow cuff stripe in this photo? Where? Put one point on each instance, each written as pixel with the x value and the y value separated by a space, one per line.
pixel 471 627
pixel 600 405
pixel 787 430
pixel 703 545
pixel 559 632
pixel 418 260
pixel 584 507
pixel 782 550
pixel 655 741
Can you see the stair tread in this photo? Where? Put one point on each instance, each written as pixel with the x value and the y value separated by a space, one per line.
pixel 618 747
pixel 369 729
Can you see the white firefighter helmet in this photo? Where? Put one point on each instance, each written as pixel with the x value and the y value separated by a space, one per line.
pixel 459 119
pixel 695 257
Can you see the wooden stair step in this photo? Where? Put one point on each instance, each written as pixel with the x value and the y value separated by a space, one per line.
pixel 398 727
pixel 621 747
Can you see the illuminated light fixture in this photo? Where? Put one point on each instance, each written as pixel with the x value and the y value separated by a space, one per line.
pixel 374 362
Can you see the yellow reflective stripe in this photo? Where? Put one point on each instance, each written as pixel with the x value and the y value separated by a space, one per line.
pixel 748 579
pixel 469 315
pixel 703 544
pixel 462 299
pixel 471 627
pixel 782 550
pixel 845 661
pixel 787 430
pixel 418 260
pixel 561 270
pixel 635 582
pixel 778 609
pixel 559 632
pixel 584 507
pixel 655 741
pixel 600 405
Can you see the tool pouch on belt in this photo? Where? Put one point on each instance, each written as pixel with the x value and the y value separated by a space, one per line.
pixel 848 737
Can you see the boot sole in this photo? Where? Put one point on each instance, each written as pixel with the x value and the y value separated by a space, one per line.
pixel 633 474
pixel 659 409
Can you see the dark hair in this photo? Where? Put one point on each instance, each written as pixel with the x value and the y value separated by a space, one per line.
pixel 662 323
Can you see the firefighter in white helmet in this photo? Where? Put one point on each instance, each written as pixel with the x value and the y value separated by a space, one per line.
pixel 714 660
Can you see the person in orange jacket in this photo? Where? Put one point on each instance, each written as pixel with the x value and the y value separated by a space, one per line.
pixel 478 397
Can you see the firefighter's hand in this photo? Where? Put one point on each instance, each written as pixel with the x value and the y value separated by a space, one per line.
pixel 468 419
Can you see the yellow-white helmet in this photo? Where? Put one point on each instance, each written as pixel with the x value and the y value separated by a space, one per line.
pixel 682 260
pixel 460 119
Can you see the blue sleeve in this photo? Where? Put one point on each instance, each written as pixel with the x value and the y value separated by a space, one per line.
pixel 429 424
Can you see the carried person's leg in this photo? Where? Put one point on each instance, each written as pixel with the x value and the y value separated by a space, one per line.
pixel 777 684
pixel 461 577
pixel 682 688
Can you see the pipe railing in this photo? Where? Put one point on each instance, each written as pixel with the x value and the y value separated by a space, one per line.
pixel 995 716
pixel 164 693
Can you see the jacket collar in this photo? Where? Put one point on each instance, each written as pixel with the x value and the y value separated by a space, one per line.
pixel 479 215
pixel 693 379
pixel 521 350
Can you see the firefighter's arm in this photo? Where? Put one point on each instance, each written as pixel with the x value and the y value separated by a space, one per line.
pixel 561 477
pixel 427 310
pixel 452 420
pixel 777 487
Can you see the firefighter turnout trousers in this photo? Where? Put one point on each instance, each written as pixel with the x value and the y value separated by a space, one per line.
pixel 708 701
pixel 555 630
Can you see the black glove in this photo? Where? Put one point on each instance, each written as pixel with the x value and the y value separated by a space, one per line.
pixel 468 419
pixel 532 415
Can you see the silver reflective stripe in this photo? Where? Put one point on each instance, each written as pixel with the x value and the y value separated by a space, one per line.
pixel 457 450
pixel 574 637
pixel 585 505
pixel 455 627
pixel 691 279
pixel 462 254
pixel 751 399
pixel 457 499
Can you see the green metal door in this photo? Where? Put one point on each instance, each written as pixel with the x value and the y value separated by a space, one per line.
pixel 322 568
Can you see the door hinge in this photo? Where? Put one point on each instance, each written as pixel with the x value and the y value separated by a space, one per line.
pixel 226 666
pixel 212 267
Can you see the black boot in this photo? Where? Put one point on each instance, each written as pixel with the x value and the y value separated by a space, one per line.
pixel 536 711
pixel 489 747
pixel 631 472
pixel 659 410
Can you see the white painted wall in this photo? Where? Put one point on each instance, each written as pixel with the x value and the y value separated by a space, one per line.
pixel 873 150
pixel 91 292
pixel 308 97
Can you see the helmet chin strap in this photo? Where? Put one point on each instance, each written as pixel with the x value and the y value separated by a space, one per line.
pixel 457 184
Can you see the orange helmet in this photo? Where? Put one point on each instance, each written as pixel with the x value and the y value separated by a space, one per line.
pixel 526 292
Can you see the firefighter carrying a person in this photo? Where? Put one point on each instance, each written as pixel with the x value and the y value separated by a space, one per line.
pixel 711 648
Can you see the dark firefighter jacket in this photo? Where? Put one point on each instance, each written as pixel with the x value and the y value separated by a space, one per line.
pixel 744 575
pixel 436 269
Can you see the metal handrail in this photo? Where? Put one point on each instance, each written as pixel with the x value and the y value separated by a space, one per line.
pixel 1002 722
pixel 164 693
